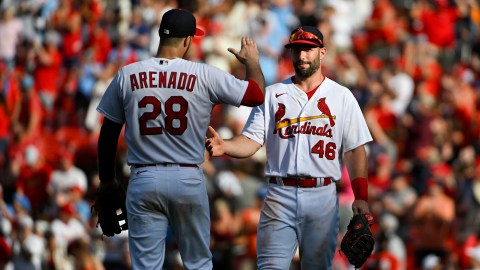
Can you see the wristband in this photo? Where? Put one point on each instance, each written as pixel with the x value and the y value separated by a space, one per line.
pixel 360 188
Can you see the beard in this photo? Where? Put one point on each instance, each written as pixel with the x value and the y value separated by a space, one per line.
pixel 305 73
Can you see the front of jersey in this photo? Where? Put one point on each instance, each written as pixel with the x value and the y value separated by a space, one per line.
pixel 307 137
pixel 166 105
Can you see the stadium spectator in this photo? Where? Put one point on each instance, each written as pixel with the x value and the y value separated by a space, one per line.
pixel 48 63
pixel 55 256
pixel 66 176
pixel 433 219
pixel 66 228
pixel 83 259
pixel 5 241
pixel 28 246
pixel 9 96
pixel 11 28
pixel 399 201
pixel 33 180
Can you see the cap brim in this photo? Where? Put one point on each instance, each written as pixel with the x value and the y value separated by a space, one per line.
pixel 199 32
pixel 302 42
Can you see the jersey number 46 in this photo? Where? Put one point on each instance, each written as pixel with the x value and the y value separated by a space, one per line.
pixel 325 150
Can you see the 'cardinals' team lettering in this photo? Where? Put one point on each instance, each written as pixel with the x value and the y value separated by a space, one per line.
pixel 306 128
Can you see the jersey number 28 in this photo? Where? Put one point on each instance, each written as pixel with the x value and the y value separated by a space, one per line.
pixel 180 114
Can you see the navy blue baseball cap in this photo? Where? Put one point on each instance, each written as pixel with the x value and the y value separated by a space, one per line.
pixel 179 23
pixel 305 35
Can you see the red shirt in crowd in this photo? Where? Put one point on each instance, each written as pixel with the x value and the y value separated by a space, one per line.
pixel 382 25
pixel 9 95
pixel 47 73
pixel 33 181
pixel 5 252
pixel 439 25
pixel 100 41
pixel 28 116
pixel 72 43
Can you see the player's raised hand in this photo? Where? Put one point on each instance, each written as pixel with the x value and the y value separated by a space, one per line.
pixel 248 52
pixel 215 144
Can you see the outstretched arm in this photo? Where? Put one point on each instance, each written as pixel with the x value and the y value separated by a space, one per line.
pixel 249 56
pixel 357 165
pixel 238 147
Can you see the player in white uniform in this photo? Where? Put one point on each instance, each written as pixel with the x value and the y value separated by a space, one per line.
pixel 165 103
pixel 309 125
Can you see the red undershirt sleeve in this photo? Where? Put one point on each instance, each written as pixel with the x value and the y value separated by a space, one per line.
pixel 253 95
pixel 360 188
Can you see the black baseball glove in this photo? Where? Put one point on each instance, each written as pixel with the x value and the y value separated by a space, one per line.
pixel 358 242
pixel 109 199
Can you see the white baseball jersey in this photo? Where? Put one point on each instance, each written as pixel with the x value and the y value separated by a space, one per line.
pixel 166 105
pixel 307 137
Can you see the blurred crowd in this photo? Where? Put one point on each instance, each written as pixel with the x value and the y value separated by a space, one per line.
pixel 413 65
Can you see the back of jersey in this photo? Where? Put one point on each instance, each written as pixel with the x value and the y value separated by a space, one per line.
pixel 166 105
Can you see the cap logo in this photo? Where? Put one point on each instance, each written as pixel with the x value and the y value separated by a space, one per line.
pixel 303 35
pixel 166 31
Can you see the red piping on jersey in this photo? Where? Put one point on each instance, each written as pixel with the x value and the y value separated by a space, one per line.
pixel 253 95
pixel 311 92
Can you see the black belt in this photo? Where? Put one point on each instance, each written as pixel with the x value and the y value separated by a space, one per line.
pixel 165 165
pixel 301 182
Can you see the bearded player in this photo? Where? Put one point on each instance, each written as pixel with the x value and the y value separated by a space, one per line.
pixel 318 126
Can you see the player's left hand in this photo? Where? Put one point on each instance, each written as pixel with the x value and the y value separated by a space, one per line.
pixel 248 52
pixel 214 145
pixel 360 207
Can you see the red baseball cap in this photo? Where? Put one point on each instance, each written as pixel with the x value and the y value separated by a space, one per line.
pixel 67 208
pixel 179 23
pixel 306 35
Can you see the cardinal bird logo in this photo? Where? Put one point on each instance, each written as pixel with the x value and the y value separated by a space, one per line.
pixel 323 107
pixel 279 114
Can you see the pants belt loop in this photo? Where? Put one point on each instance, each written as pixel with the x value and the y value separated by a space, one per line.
pixel 279 180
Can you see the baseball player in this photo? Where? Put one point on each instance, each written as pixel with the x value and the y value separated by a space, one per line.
pixel 309 125
pixel 165 103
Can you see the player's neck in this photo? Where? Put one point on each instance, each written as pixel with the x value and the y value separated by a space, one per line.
pixel 169 53
pixel 309 83
pixel 168 57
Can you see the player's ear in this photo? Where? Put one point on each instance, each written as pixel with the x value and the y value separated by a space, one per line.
pixel 187 41
pixel 323 51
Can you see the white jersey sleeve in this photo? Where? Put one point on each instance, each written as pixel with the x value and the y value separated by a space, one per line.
pixel 166 105
pixel 307 137
pixel 255 125
pixel 111 104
